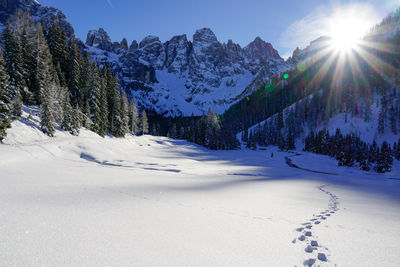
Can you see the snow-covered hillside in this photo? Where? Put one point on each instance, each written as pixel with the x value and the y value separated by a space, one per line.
pixel 181 77
pixel 154 201
pixel 347 123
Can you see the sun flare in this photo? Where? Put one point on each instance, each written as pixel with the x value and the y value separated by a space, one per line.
pixel 346 30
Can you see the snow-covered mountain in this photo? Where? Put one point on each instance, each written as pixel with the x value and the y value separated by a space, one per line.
pixel 182 76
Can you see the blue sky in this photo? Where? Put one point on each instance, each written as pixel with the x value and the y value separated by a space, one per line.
pixel 284 23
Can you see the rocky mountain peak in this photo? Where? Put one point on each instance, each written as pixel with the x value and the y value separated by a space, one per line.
pixel 259 51
pixel 134 45
pixel 204 35
pixel 99 39
pixel 149 40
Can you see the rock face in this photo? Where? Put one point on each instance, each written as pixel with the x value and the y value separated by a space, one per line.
pixel 45 15
pixel 181 76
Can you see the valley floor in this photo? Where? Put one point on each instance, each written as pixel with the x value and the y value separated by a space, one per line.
pixel 153 201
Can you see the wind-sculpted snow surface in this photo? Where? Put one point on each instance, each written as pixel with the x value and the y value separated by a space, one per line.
pixel 154 201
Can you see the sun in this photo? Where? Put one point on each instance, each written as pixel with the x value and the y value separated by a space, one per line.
pixel 346 30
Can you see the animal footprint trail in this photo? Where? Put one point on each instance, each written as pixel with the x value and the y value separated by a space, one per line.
pixel 315 253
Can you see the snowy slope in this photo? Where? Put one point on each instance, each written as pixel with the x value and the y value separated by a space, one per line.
pixel 153 201
pixel 366 130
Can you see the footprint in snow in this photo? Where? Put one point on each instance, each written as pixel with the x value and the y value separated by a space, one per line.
pixel 314 243
pixel 317 222
pixel 309 249
pixel 300 229
pixel 309 262
pixel 302 238
pixel 308 233
pixel 322 257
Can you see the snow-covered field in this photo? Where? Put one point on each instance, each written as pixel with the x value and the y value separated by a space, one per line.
pixel 153 201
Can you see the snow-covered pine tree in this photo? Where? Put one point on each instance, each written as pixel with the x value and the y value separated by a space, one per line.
pixel 56 39
pixel 103 105
pixel 74 74
pixel 5 100
pixel 144 124
pixel 86 121
pixel 24 29
pixel 67 122
pixel 212 131
pixel 46 107
pixel 77 120
pixel 14 67
pixel 94 97
pixel 133 118
pixel 28 95
pixel 114 106
pixel 79 97
pixel 124 113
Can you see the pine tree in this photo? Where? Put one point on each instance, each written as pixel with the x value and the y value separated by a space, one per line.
pixel 124 113
pixel 27 52
pixel 77 118
pixel 14 67
pixel 74 74
pixel 57 43
pixel 144 125
pixel 134 118
pixel 103 106
pixel 86 120
pixel 67 122
pixel 46 107
pixel 172 133
pixel 94 97
pixel 17 104
pixel 44 68
pixel 114 105
pixel 384 160
pixel 373 152
pixel 5 100
pixel 362 159
pixel 212 131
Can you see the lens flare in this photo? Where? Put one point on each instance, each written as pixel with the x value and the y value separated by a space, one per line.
pixel 346 29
